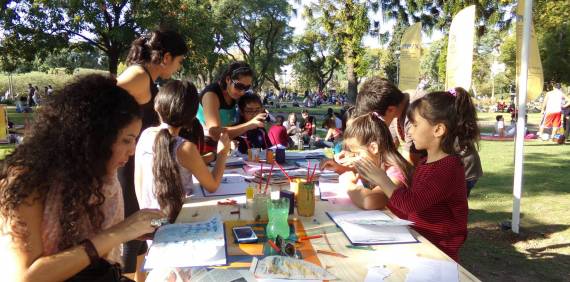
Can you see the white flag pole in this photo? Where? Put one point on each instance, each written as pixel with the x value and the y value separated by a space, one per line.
pixel 519 143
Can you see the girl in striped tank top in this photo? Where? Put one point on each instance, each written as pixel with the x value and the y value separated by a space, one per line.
pixel 444 124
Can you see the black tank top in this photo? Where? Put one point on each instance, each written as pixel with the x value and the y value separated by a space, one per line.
pixel 149 115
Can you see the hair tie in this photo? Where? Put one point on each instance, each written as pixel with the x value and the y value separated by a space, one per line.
pixel 164 126
pixel 378 116
pixel 452 92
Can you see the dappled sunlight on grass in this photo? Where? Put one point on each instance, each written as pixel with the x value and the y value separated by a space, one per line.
pixel 541 250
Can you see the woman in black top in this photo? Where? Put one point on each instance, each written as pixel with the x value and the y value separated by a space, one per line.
pixel 159 54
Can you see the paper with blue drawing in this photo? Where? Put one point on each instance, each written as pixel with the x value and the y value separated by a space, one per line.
pixel 176 245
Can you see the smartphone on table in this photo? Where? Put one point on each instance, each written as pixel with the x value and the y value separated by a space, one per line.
pixel 244 234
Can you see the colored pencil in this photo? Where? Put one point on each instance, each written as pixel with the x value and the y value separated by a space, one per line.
pixel 260 179
pixel 331 253
pixel 287 175
pixel 313 174
pixel 272 244
pixel 268 179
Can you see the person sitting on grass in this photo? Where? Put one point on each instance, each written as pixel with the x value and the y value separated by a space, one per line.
pixel 278 133
pixel 61 204
pixel 308 126
pixel 166 162
pixel 250 108
pixel 293 129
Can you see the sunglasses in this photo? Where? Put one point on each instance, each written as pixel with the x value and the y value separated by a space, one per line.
pixel 241 86
pixel 287 249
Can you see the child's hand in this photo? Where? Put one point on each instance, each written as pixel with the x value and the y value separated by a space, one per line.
pixel 343 159
pixel 223 143
pixel 371 173
pixel 349 180
pixel 331 164
pixel 258 121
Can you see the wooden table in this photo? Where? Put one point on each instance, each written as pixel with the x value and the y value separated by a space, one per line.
pixel 353 268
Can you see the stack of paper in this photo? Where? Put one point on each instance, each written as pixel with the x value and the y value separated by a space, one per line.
pixel 233 183
pixel 372 227
pixel 235 161
pixel 176 245
pixel 307 154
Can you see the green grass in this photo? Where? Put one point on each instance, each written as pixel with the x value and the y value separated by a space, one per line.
pixel 542 250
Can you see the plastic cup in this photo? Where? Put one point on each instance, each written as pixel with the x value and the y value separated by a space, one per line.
pixel 306 199
pixel 260 201
pixel 278 211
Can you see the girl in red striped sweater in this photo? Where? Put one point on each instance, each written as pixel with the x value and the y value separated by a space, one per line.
pixel 443 123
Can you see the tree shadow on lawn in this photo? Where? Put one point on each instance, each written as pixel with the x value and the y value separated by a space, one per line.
pixel 542 173
pixel 490 253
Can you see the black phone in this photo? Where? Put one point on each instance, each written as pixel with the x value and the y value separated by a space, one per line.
pixel 244 234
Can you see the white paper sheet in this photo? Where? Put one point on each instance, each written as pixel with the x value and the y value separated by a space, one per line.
pixel 233 183
pixel 377 273
pixel 360 234
pixel 430 270
pixel 176 245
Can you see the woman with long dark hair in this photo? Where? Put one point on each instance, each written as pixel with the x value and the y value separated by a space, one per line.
pixel 157 55
pixel 61 205
pixel 217 111
pixel 165 162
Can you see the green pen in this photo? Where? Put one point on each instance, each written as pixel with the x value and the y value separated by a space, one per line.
pixel 367 248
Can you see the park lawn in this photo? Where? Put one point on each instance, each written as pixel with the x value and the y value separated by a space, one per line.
pixel 542 250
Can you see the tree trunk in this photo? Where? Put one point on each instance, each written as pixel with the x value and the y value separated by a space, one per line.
pixel 321 84
pixel 113 61
pixel 352 80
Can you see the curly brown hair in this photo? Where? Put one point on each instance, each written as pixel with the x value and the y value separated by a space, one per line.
pixel 69 146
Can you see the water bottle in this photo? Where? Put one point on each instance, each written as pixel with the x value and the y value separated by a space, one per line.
pixel 300 144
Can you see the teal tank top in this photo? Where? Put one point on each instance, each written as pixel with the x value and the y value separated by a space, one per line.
pixel 227 112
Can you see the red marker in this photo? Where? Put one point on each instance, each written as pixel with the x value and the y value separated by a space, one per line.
pixel 272 244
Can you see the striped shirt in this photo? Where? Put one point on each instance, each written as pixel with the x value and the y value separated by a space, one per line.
pixel 437 203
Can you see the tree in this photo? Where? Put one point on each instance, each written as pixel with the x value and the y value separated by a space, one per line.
pixel 439 13
pixel 108 25
pixel 258 32
pixel 316 56
pixel 552 22
pixel 347 22
pixel 206 35
pixel 433 63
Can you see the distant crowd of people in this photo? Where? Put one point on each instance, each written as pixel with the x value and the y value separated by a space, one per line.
pixel 309 99
pixel 34 97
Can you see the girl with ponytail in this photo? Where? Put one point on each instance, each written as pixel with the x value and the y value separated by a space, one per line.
pixel 444 124
pixel 165 162
pixel 368 137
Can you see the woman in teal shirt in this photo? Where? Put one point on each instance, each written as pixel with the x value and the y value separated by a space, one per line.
pixel 217 111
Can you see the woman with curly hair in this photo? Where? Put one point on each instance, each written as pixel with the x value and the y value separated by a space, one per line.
pixel 61 205
pixel 157 55
pixel 166 162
